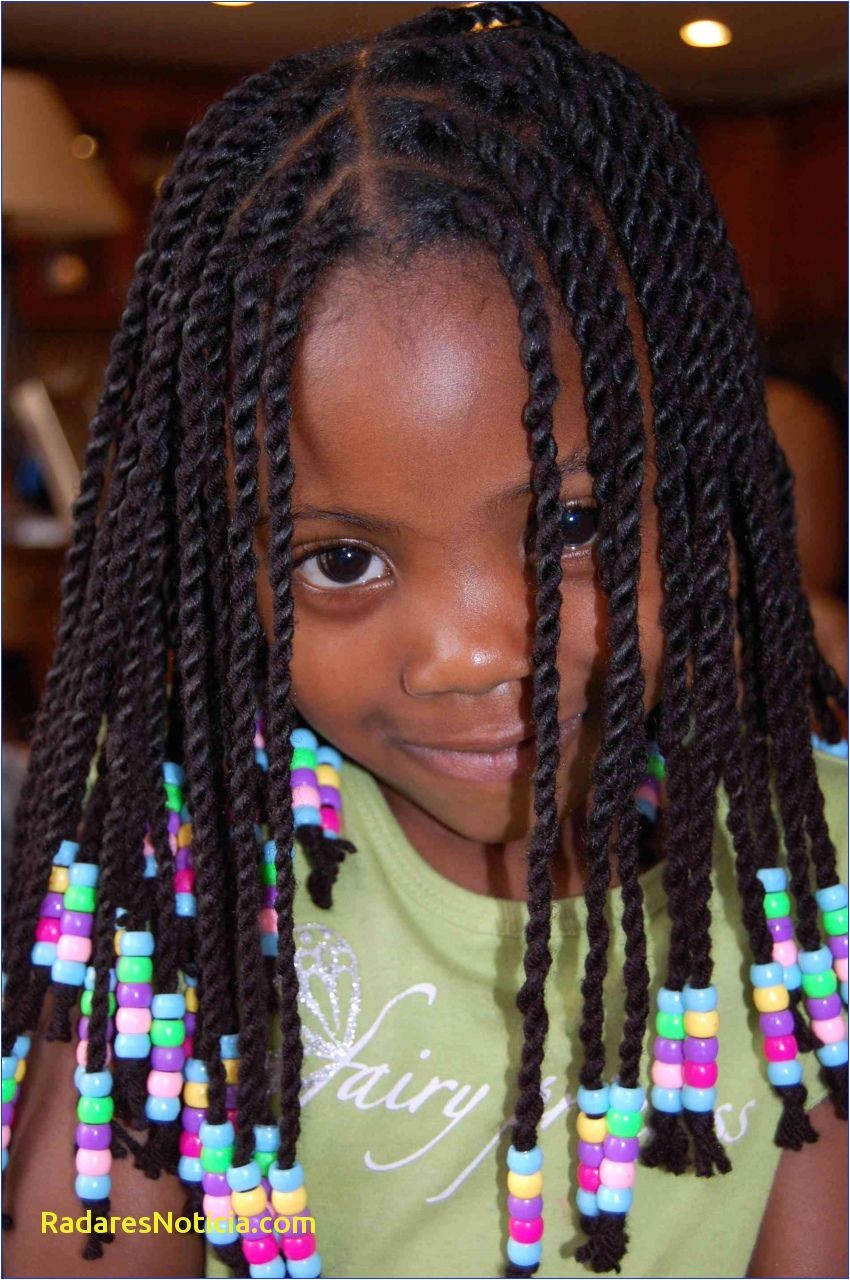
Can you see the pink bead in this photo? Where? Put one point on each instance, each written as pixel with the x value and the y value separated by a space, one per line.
pixel 781 1048
pixel 82 1053
pixel 650 791
pixel 830 1031
pixel 6 1136
pixel 701 1075
pixel 261 1249
pixel 94 1163
pixel 133 1021
pixel 330 819
pixel 165 1084
pixel 189 1047
pixel 617 1173
pixel 268 920
pixel 190 1145
pixel 184 881
pixel 47 930
pixel 525 1232
pixel 588 1179
pixel 785 953
pixel 298 1247
pixel 71 947
pixel 840 967
pixel 218 1206
pixel 667 1075
pixel 305 795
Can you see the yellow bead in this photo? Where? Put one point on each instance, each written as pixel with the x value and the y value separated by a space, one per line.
pixel 21 1070
pixel 191 994
pixel 327 776
pixel 58 882
pixel 591 1128
pixel 525 1185
pixel 231 1070
pixel 195 1094
pixel 702 1026
pixel 248 1204
pixel 184 836
pixel 770 999
pixel 116 941
pixel 289 1202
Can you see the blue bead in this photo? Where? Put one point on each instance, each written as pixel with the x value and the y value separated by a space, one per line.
pixel 623 1099
pixel 71 972
pixel 586 1203
pixel 66 854
pixel 130 1044
pixel 647 808
pixel 766 975
pixel 670 1001
pixel 185 815
pixel 189 1169
pixel 268 944
pixel 521 1255
pixel 309 1268
pixel 162 1110
pixel 21 1047
pixel 243 1177
pixel 815 961
pixel 149 872
pixel 136 943
pixel 217 1135
pixel 92 1186
pixel 93 1084
pixel 269 851
pixel 189 980
pixel 273 1270
pixel 614 1199
pixel 593 1102
pixel 837 749
pixel 699 999
pixel 168 1005
pixel 221 1237
pixel 783 1074
pixel 792 976
pixel 667 1100
pixel 195 1070
pixel 773 879
pixel 4 1159
pixel 229 1047
pixel 304 738
pixel 285 1179
pixel 266 1137
pixel 83 873
pixel 185 905
pixel 172 773
pixel 833 1055
pixel 329 755
pixel 10 1066
pixel 842 986
pixel 91 977
pixel 524 1161
pixel 698 1099
pixel 43 953
pixel 262 758
pixel 832 899
pixel 306 815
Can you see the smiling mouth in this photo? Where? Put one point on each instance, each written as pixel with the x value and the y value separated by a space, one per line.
pixel 515 760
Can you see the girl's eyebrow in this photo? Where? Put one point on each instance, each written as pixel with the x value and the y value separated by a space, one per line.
pixel 574 464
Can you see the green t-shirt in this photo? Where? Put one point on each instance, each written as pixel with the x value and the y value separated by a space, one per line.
pixel 412 1039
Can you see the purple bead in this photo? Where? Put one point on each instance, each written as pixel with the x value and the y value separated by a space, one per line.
pixel 230 1096
pixel 7 1112
pixel 136 995
pixel 52 904
pixel 267 1187
pixel 78 923
pixel 255 1229
pixel 330 795
pixel 622 1149
pixel 525 1210
pixel 169 1058
pixel 94 1137
pixel 781 929
pixel 189 1022
pixel 192 1118
pixel 823 1007
pixel 697 1050
pixel 303 777
pixel 174 823
pixel 83 1028
pixel 837 945
pixel 216 1184
pixel 590 1153
pixel 777 1024
pixel 666 1050
pixel 183 859
pixel 269 895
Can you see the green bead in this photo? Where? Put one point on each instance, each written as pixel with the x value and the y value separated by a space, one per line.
pixel 269 873
pixel 816 985
pixel 302 758
pixel 777 905
pixel 79 897
pixel 264 1161
pixel 167 1032
pixel 655 768
pixel 670 1025
pixel 624 1124
pixel 173 797
pixel 95 1110
pixel 835 922
pixel 86 999
pixel 10 1089
pixel 134 969
pixel 216 1159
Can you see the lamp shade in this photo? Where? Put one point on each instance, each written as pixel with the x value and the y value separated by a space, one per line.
pixel 47 192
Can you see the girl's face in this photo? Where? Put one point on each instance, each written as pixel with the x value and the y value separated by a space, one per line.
pixel 414 602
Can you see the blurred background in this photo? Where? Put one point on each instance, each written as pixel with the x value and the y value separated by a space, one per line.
pixel 98 96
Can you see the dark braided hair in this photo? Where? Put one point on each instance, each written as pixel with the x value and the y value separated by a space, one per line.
pixel 485 127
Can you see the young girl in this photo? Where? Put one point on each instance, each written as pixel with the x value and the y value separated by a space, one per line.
pixel 402 630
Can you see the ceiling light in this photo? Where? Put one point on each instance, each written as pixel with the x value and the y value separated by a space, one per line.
pixel 705 34
pixel 232 4
pixel 83 146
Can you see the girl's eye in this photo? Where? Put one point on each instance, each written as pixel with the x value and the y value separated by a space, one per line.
pixel 579 525
pixel 346 565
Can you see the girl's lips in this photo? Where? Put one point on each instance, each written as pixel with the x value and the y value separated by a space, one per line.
pixel 485 766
